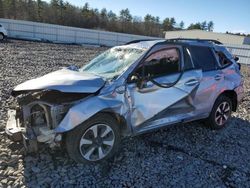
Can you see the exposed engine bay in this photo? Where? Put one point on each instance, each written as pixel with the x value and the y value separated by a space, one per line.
pixel 35 115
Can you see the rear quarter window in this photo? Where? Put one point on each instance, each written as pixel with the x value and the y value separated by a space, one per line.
pixel 228 54
pixel 203 58
pixel 223 59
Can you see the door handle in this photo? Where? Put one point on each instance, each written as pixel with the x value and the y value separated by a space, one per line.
pixel 191 82
pixel 218 76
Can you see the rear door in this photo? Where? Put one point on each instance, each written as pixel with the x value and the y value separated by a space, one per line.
pixel 166 93
pixel 212 78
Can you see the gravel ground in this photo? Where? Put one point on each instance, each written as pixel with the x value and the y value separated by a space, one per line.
pixel 186 155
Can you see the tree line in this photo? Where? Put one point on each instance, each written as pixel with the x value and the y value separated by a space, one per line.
pixel 63 13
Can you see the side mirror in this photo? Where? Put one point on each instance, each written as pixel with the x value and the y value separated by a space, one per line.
pixel 134 78
pixel 141 83
pixel 138 80
pixel 236 58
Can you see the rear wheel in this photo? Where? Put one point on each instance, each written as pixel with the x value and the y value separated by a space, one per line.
pixel 220 113
pixel 1 36
pixel 95 140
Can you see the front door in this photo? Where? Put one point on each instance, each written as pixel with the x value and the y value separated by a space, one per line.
pixel 166 93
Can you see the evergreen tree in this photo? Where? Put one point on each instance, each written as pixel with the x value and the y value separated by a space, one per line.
pixel 210 26
pixel 63 13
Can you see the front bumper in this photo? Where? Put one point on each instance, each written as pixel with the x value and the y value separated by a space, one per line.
pixel 13 128
pixel 26 135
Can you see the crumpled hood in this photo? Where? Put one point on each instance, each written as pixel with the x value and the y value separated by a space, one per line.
pixel 64 80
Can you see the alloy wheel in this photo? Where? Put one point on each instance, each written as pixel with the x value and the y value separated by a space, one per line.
pixel 96 142
pixel 222 113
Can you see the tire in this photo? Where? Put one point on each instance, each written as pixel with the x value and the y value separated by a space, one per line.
pixel 94 141
pixel 221 113
pixel 1 37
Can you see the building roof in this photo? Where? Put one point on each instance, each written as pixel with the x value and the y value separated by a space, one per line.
pixel 201 34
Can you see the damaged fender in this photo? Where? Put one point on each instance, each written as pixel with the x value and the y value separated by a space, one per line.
pixel 86 109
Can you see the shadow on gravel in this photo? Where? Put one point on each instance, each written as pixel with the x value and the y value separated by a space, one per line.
pixel 6 41
pixel 16 146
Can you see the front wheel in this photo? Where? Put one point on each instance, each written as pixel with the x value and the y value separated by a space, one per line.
pixel 220 113
pixel 95 140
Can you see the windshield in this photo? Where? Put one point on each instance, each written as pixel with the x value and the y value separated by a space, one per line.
pixel 113 62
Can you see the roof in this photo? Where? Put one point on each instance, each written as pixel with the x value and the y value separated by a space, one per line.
pixel 143 43
pixel 146 44
pixel 200 34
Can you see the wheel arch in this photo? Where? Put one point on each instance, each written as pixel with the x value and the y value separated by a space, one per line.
pixel 81 112
pixel 125 130
pixel 123 125
pixel 233 96
pixel 1 33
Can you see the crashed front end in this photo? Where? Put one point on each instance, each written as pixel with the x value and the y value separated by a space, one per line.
pixel 35 115
pixel 41 104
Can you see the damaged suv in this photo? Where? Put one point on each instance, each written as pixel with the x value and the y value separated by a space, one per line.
pixel 126 91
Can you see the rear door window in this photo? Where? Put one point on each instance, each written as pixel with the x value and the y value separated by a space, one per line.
pixel 203 58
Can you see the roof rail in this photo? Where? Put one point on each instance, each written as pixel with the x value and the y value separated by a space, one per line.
pixel 140 40
pixel 198 40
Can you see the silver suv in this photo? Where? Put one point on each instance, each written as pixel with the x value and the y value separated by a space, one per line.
pixel 125 91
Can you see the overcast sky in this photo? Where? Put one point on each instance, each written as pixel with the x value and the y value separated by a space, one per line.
pixel 227 15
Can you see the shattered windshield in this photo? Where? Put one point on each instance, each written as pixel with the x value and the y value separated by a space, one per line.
pixel 113 62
